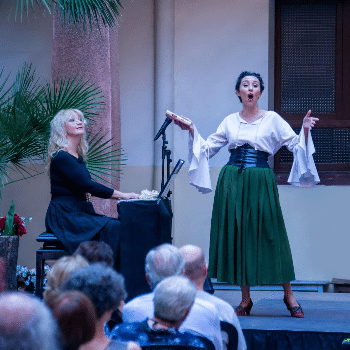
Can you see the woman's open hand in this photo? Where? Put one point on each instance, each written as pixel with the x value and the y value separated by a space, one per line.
pixel 308 121
pixel 121 195
pixel 184 126
pixel 131 195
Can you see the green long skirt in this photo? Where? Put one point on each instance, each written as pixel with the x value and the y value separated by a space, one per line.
pixel 248 240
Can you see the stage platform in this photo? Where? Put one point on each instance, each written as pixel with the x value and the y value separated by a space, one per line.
pixel 325 325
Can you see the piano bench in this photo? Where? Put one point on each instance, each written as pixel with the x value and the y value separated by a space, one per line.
pixel 52 249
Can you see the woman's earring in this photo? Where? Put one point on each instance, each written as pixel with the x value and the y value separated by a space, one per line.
pixel 65 134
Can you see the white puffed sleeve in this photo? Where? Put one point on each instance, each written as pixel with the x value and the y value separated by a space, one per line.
pixel 303 172
pixel 199 153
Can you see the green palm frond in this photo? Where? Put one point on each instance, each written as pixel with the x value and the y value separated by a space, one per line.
pixel 18 142
pixel 22 132
pixel 20 145
pixel 12 156
pixel 3 174
pixel 17 138
pixel 5 92
pixel 21 7
pixel 73 11
pixel 105 158
pixel 26 83
pixel 80 11
pixel 72 93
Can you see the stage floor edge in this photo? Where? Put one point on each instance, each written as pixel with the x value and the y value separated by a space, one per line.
pixel 325 325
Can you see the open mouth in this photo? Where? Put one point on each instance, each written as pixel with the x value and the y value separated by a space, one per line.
pixel 250 97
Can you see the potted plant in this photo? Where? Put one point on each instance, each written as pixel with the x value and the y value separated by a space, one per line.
pixel 11 228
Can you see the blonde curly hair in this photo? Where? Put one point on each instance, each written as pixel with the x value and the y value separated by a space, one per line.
pixel 58 138
pixel 59 272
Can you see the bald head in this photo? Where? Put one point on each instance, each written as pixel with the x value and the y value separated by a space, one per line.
pixel 26 323
pixel 195 265
pixel 16 310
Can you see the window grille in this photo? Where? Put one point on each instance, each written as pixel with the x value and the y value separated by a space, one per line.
pixel 308 56
pixel 332 146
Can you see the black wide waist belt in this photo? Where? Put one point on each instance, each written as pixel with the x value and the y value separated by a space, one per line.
pixel 247 157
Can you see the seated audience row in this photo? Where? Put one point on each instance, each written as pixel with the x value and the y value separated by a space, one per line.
pixel 84 290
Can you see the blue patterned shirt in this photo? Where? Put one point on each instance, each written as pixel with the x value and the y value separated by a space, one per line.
pixel 141 333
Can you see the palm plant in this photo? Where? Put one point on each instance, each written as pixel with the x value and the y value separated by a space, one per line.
pixel 26 110
pixel 73 11
pixel 28 105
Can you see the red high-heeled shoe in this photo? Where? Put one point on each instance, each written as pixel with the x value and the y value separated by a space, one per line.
pixel 242 310
pixel 295 311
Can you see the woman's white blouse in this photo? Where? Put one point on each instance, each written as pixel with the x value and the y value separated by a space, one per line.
pixel 267 134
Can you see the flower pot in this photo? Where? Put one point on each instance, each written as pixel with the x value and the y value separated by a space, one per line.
pixel 9 251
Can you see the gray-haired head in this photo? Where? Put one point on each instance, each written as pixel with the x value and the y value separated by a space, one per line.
pixel 195 264
pixel 103 285
pixel 163 261
pixel 26 323
pixel 173 298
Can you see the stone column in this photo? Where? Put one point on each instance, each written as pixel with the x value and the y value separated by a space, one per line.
pixel 94 55
pixel 164 76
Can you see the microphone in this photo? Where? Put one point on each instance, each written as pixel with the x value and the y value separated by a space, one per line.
pixel 162 128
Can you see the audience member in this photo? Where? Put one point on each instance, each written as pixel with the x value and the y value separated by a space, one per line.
pixel 95 251
pixel 2 275
pixel 173 299
pixel 59 272
pixel 76 318
pixel 26 323
pixel 105 288
pixel 164 261
pixel 196 270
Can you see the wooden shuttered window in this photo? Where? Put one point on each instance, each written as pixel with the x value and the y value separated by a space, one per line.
pixel 312 71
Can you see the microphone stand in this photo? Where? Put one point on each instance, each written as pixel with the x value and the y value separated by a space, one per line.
pixel 165 154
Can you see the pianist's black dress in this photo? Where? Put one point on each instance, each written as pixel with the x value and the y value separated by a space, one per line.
pixel 70 216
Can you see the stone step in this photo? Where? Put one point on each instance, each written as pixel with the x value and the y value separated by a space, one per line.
pixel 305 286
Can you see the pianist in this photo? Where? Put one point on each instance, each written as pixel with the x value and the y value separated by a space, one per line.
pixel 70 215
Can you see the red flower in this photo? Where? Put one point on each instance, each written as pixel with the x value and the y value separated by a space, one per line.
pixel 21 230
pixel 17 220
